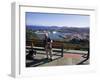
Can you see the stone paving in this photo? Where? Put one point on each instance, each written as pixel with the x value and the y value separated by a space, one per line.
pixel 68 59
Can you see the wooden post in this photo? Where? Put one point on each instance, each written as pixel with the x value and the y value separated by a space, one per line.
pixel 32 45
pixel 87 57
pixel 62 49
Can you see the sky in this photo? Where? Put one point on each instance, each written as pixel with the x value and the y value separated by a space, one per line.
pixel 54 19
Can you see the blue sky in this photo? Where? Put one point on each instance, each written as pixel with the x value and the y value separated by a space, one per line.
pixel 52 19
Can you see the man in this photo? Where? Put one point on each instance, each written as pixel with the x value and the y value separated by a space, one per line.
pixel 48 46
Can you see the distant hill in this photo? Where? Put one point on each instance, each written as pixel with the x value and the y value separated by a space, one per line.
pixel 35 27
pixel 62 29
pixel 74 30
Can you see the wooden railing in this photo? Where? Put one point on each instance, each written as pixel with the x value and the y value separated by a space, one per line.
pixel 86 56
pixel 58 44
pixel 38 45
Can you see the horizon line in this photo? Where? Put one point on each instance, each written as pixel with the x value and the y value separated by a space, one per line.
pixel 60 26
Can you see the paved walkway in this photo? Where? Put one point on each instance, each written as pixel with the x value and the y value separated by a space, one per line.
pixel 68 59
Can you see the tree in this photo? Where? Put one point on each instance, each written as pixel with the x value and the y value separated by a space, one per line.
pixel 30 34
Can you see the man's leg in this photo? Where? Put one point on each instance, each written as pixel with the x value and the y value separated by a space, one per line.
pixel 47 53
pixel 50 52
